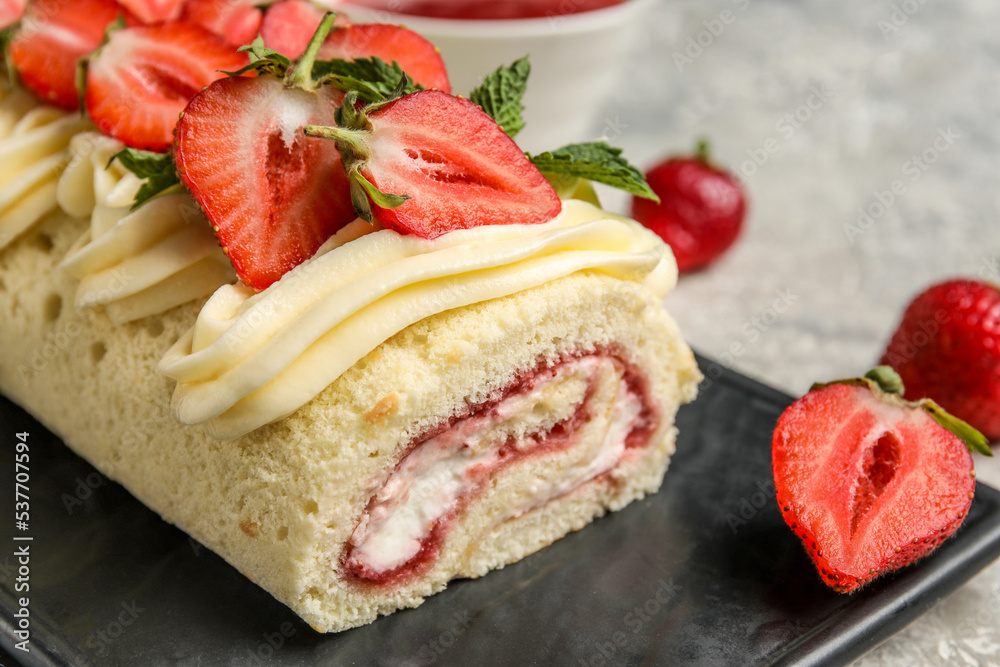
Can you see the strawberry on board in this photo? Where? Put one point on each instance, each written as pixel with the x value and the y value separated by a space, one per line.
pixel 153 11
pixel 141 79
pixel 428 163
pixel 869 482
pixel 947 347
pixel 236 21
pixel 700 212
pixel 272 194
pixel 418 57
pixel 51 40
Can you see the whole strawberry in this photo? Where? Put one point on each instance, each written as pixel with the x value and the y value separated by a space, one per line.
pixel 947 347
pixel 869 482
pixel 701 209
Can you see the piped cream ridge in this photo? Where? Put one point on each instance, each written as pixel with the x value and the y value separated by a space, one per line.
pixel 251 359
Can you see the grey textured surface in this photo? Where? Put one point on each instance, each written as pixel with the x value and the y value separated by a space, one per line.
pixel 836 101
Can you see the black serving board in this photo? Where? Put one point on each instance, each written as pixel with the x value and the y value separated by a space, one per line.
pixel 704 572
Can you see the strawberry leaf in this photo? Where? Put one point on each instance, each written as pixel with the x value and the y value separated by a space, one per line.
pixel 373 79
pixel 500 95
pixel 379 198
pixel 262 60
pixel 596 161
pixel 973 439
pixel 157 168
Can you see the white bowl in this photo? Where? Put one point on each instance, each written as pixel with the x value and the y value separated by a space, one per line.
pixel 575 61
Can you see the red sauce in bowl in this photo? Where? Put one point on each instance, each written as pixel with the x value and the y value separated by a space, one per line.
pixel 487 9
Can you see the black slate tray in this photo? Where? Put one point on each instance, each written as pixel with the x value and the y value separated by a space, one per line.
pixel 704 572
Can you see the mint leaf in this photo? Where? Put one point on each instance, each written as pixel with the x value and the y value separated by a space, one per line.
pixel 157 168
pixel 595 161
pixel 500 95
pixel 373 79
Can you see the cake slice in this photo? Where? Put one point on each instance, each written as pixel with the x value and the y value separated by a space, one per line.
pixel 420 365
pixel 464 442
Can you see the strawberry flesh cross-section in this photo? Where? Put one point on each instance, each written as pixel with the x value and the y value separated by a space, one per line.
pixel 140 81
pixel 870 483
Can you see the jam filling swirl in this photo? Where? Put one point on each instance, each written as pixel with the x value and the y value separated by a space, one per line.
pixel 406 522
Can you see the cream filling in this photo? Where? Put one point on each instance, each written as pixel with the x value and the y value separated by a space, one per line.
pixel 432 479
pixel 251 359
pixel 34 141
pixel 134 263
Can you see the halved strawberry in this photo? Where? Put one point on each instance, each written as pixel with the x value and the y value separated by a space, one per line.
pixel 869 482
pixel 51 40
pixel 429 163
pixel 288 25
pixel 11 12
pixel 153 11
pixel 272 194
pixel 141 80
pixel 236 21
pixel 418 57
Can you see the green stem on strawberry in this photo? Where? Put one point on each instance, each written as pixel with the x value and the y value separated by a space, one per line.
pixel 354 153
pixel 702 151
pixel 301 73
pixel 353 140
pixel 885 383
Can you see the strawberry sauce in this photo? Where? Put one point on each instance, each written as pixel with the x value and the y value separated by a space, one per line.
pixel 401 532
pixel 466 9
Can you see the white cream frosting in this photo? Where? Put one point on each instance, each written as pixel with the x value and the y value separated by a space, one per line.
pixel 34 140
pixel 141 262
pixel 251 359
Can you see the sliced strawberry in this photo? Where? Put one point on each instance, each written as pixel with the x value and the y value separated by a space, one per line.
pixel 273 195
pixel 288 25
pixel 236 21
pixel 870 483
pixel 53 36
pixel 153 11
pixel 11 12
pixel 141 80
pixel 431 163
pixel 418 57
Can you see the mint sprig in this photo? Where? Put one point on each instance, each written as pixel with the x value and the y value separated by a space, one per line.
pixel 373 79
pixel 157 168
pixel 500 95
pixel 595 161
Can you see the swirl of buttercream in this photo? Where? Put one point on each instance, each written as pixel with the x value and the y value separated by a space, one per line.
pixel 138 262
pixel 34 139
pixel 251 359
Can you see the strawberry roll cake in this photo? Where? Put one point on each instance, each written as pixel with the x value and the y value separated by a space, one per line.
pixel 353 406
